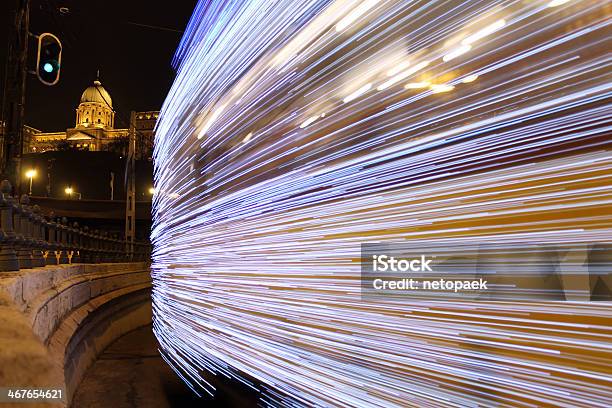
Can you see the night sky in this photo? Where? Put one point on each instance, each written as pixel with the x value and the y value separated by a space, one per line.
pixel 134 61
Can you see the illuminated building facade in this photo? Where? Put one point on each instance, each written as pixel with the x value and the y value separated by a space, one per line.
pixel 94 128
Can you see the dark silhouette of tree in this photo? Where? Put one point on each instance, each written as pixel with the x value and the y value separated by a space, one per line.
pixel 64 145
pixel 119 145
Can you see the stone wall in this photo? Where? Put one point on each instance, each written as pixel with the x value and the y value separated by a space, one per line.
pixel 55 320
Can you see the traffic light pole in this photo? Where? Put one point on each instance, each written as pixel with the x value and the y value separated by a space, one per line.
pixel 13 102
pixel 130 199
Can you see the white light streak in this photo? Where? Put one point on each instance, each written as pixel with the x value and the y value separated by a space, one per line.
pixel 556 3
pixel 359 92
pixel 456 52
pixel 398 68
pixel 309 121
pixel 469 78
pixel 488 30
pixel 256 252
pixel 402 75
pixel 417 85
pixel 209 122
pixel 439 88
pixel 354 15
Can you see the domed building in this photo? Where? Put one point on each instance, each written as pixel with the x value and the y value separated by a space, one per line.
pixel 96 107
pixel 94 128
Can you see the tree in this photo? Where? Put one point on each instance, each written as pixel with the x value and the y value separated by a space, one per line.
pixel 119 145
pixel 64 145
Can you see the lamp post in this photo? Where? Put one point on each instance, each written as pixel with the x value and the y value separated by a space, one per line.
pixel 69 191
pixel 31 174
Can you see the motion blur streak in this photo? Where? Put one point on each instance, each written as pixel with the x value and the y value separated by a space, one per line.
pixel 279 151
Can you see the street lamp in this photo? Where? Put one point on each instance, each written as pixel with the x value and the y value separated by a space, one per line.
pixel 69 191
pixel 31 174
pixel 151 190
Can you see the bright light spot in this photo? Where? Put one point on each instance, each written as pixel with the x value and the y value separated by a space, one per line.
pixel 174 195
pixel 439 88
pixel 247 137
pixel 355 14
pixel 398 68
pixel 210 121
pixel 416 85
pixel 469 78
pixel 309 121
pixel 556 3
pixel 48 67
pixel 456 52
pixel 68 190
pixel 402 75
pixel 321 23
pixel 151 190
pixel 31 173
pixel 358 93
pixel 490 29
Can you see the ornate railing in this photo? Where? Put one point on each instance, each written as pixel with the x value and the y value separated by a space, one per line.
pixel 28 239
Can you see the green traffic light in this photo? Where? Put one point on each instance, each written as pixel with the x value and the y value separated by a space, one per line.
pixel 49 58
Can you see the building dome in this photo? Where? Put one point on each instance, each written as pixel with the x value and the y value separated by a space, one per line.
pixel 97 93
pixel 96 108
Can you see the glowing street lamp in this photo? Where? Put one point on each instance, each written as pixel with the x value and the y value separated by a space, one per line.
pixel 69 191
pixel 31 174
pixel 152 190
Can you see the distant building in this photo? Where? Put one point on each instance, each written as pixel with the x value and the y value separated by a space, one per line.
pixel 94 128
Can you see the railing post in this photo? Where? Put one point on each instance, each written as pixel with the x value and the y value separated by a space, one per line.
pixel 26 228
pixel 86 256
pixel 113 249
pixel 61 234
pixel 76 243
pixel 104 245
pixel 69 242
pixel 118 249
pixel 137 251
pixel 51 257
pixel 96 247
pixel 26 219
pixel 38 237
pixel 24 253
pixel 8 256
pixel 122 247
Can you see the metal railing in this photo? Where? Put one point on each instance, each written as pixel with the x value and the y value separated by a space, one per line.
pixel 28 239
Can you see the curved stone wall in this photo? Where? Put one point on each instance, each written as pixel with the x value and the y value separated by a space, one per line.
pixel 55 320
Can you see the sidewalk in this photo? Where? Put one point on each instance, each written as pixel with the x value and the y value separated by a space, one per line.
pixel 131 374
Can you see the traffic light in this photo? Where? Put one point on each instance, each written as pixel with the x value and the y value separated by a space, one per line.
pixel 49 59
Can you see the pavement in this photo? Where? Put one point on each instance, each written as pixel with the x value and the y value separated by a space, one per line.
pixel 130 373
